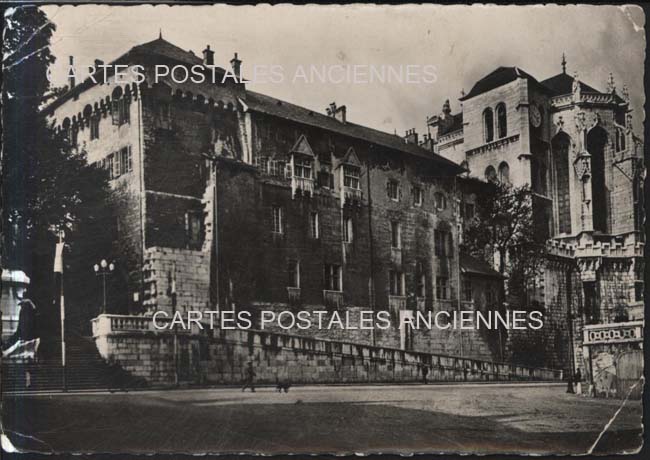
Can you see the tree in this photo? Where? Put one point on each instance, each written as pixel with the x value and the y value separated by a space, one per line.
pixel 47 184
pixel 504 226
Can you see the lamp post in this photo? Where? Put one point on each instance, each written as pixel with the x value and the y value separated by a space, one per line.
pixel 104 269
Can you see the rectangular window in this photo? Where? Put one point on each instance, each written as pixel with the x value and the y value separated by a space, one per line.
pixel 120 111
pixel 302 167
pixel 278 168
pixel 277 219
pixel 194 229
pixel 126 161
pixel 418 196
pixel 94 128
pixel 332 277
pixel 351 175
pixel 396 234
pixel 117 165
pixel 396 282
pixel 421 279
pixel 467 290
pixel 108 164
pixel 293 270
pixel 348 230
pixel 393 190
pixel 314 225
pixel 442 287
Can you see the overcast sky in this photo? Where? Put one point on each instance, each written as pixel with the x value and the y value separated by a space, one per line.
pixel 464 43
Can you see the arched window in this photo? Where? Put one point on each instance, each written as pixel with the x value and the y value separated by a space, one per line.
pixel 597 142
pixel 502 121
pixel 488 125
pixel 504 173
pixel 440 200
pixel 560 146
pixel 490 174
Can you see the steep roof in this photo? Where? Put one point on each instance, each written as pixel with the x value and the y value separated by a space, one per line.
pixel 562 83
pixel 158 47
pixel 163 48
pixel 275 107
pixel 474 266
pixel 497 78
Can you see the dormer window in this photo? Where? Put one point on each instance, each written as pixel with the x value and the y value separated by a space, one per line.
pixel 351 176
pixel 302 159
pixel 302 167
pixel 350 179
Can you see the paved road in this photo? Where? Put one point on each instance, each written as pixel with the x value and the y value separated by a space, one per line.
pixel 499 418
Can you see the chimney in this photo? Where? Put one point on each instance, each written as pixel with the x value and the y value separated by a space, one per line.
pixel 235 63
pixel 411 136
pixel 71 74
pixel 427 142
pixel 338 113
pixel 208 56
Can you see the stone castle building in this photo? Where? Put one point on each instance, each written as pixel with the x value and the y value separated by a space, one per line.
pixel 231 199
pixel 575 147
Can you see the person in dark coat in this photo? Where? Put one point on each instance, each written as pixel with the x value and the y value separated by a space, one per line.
pixel 250 377
pixel 425 372
pixel 26 329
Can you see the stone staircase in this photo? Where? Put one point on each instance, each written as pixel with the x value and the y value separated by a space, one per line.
pixel 85 369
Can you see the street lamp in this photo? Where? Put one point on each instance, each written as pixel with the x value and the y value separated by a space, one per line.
pixel 103 269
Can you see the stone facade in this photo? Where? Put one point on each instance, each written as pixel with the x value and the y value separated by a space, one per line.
pixel 575 147
pixel 234 200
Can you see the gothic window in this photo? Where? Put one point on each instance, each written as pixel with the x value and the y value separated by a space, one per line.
pixel 560 147
pixel 442 243
pixel 488 125
pixel 490 174
pixel 504 173
pixel 596 143
pixel 502 121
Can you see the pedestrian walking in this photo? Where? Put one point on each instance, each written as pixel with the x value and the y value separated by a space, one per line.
pixel 249 381
pixel 425 372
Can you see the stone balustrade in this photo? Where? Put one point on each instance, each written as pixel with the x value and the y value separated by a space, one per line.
pixel 147 352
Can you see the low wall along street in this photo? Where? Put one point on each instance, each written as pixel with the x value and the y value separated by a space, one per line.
pixel 218 356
